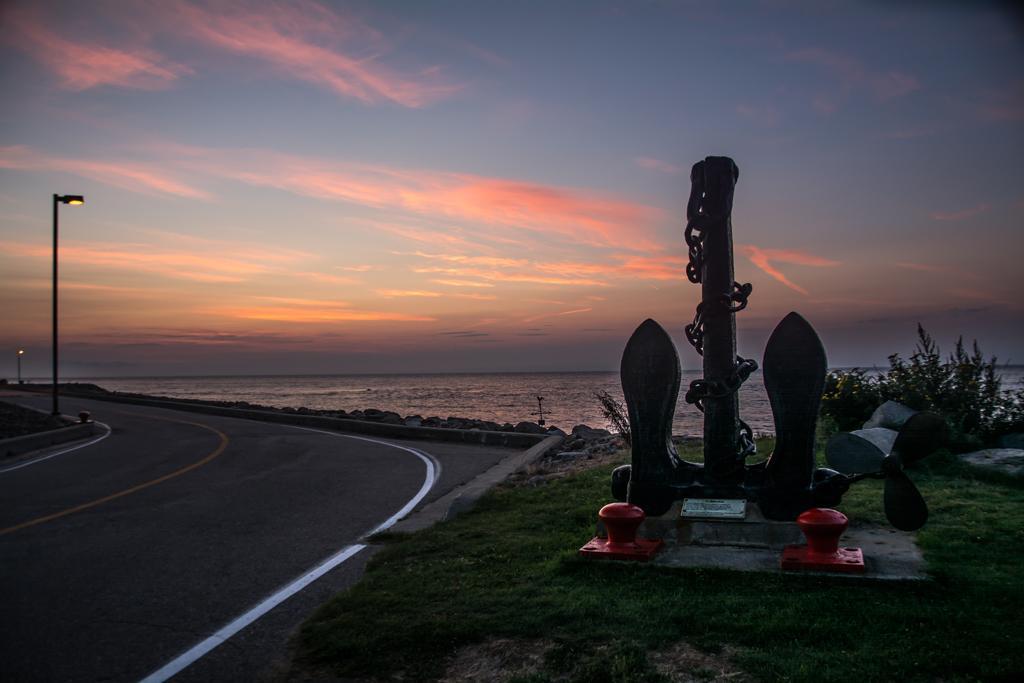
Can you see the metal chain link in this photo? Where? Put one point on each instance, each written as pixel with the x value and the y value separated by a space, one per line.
pixel 697 224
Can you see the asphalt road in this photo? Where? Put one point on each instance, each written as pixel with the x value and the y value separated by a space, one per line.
pixel 119 556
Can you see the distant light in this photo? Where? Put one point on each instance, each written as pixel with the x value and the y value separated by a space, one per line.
pixel 21 352
pixel 73 199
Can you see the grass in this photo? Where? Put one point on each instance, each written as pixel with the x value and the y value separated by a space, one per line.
pixel 18 421
pixel 508 569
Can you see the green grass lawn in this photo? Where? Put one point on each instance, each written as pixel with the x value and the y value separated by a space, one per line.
pixel 508 569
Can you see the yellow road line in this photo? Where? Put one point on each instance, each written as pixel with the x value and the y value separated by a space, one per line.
pixel 134 489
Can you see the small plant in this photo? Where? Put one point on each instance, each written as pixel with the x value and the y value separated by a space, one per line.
pixel 613 411
pixel 964 388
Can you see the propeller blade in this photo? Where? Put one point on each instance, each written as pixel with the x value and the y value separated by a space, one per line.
pixel 904 506
pixel 921 435
pixel 851 454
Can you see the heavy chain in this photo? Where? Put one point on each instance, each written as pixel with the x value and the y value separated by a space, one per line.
pixel 698 222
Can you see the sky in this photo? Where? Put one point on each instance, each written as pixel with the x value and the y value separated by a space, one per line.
pixel 446 186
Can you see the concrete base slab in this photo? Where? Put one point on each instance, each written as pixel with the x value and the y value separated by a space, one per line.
pixel 889 555
pixel 755 531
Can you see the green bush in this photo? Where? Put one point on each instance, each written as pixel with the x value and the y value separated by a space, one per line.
pixel 964 388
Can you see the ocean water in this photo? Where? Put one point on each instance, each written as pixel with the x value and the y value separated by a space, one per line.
pixel 502 397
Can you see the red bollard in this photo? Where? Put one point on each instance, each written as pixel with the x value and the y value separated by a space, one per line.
pixel 823 527
pixel 621 520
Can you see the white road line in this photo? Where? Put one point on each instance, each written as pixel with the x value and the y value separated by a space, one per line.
pixel 198 651
pixel 54 455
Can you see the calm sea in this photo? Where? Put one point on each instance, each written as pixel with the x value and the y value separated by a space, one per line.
pixel 568 397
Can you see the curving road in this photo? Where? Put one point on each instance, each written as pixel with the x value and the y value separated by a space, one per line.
pixel 118 557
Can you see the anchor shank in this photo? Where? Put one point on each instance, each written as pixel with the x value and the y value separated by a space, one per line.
pixel 723 465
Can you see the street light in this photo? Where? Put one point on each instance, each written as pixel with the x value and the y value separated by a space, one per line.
pixel 21 352
pixel 74 200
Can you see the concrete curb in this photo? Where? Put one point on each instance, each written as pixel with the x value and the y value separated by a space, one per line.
pixel 19 445
pixel 473 436
pixel 465 496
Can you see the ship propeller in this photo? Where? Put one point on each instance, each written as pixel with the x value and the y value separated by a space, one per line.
pixel 858 458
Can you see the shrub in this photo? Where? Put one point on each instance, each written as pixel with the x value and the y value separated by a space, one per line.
pixel 964 388
pixel 613 411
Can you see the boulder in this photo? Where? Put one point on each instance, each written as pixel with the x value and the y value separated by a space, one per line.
pixel 589 433
pixel 891 415
pixel 1006 460
pixel 555 431
pixel 529 428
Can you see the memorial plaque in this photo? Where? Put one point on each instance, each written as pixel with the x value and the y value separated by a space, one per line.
pixel 714 508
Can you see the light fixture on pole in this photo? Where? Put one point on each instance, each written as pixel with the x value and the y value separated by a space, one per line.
pixel 21 352
pixel 74 200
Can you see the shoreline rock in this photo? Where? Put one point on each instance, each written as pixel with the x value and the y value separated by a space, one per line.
pixel 583 442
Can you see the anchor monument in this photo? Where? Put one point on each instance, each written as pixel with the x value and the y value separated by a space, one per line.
pixel 788 482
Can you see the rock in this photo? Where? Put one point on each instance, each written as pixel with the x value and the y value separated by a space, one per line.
pixel 590 434
pixel 529 428
pixel 570 455
pixel 574 443
pixel 1012 440
pixel 555 431
pixel 891 415
pixel 880 436
pixel 507 427
pixel 536 480
pixel 413 421
pixel 432 422
pixel 1006 460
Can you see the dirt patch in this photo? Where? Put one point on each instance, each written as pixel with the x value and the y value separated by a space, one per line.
pixel 496 660
pixel 683 663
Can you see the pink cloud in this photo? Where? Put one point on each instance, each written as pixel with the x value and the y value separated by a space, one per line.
pixel 580 215
pixel 311 42
pixel 652 164
pixel 184 261
pixel 764 258
pixel 81 65
pixel 960 215
pixel 129 176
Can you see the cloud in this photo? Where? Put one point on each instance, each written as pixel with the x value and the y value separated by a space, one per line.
pixel 763 258
pixel 81 65
pixel 182 262
pixel 652 164
pixel 392 293
pixel 465 333
pixel 923 267
pixel 463 283
pixel 311 311
pixel 1002 105
pixel 852 75
pixel 143 178
pixel 961 214
pixel 574 311
pixel 327 278
pixel 580 215
pixel 767 116
pixel 314 43
pixel 560 272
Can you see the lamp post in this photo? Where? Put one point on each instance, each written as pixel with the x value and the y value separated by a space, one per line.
pixel 74 200
pixel 21 352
